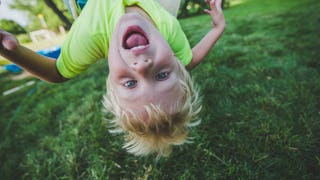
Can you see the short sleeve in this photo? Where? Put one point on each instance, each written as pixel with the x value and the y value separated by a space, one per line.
pixel 81 48
pixel 179 43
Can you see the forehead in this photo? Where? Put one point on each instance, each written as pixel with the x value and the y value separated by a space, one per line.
pixel 163 97
pixel 166 101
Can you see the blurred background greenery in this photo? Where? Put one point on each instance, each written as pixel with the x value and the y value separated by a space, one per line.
pixel 261 115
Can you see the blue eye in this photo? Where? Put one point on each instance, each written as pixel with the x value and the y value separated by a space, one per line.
pixel 130 84
pixel 162 76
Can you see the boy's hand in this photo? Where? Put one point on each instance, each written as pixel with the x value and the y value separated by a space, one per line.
pixel 207 42
pixel 7 41
pixel 43 67
pixel 216 13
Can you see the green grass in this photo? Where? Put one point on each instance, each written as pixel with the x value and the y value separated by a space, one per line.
pixel 261 115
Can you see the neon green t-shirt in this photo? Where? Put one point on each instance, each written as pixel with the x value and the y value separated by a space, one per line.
pixel 88 39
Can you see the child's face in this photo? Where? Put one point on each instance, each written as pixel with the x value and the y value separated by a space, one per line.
pixel 142 65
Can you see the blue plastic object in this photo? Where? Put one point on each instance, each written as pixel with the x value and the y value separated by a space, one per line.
pixel 81 3
pixel 12 68
pixel 52 52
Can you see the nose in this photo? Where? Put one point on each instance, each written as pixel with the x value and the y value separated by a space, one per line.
pixel 141 65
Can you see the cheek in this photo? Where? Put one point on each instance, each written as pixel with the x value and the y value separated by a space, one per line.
pixel 116 63
pixel 164 52
pixel 113 50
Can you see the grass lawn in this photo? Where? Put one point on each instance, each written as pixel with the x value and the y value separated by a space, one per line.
pixel 260 118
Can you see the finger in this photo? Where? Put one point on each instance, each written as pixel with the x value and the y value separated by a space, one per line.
pixel 207 11
pixel 218 5
pixel 212 4
pixel 9 43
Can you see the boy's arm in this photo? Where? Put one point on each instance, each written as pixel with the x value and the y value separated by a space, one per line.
pixel 207 42
pixel 40 66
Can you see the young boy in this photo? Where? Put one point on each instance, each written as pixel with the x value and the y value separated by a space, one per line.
pixel 149 91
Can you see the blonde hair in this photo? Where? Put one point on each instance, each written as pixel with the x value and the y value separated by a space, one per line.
pixel 162 129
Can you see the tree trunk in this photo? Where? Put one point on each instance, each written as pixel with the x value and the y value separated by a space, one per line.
pixel 61 16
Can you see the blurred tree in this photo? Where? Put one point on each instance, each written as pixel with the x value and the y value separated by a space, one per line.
pixel 12 27
pixel 60 14
pixel 195 7
pixel 55 15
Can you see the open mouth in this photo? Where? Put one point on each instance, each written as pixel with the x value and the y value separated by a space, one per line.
pixel 135 39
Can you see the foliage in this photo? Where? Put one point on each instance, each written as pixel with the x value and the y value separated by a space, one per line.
pixel 23 38
pixel 11 26
pixel 260 119
pixel 195 7
pixel 36 7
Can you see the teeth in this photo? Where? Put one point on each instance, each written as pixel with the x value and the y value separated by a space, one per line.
pixel 138 47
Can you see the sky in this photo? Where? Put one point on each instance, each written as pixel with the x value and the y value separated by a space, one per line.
pixel 7 13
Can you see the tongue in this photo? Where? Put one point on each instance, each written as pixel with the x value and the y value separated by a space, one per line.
pixel 135 40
